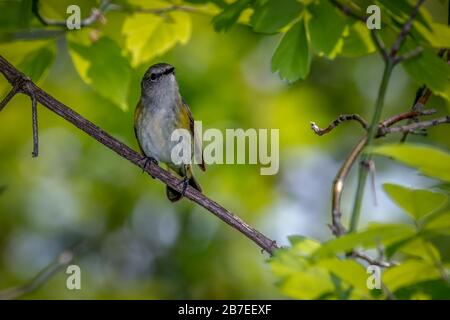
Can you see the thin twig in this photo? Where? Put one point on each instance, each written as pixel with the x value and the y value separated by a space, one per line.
pixel 373 127
pixel 405 115
pixel 62 260
pixel 12 75
pixel 8 97
pixel 405 30
pixel 412 127
pixel 376 262
pixel 379 44
pixel 338 121
pixel 34 116
pixel 338 186
pixel 347 11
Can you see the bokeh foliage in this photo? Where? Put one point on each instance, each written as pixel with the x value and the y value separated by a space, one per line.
pixel 150 249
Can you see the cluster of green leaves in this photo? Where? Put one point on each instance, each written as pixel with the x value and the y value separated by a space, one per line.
pixel 106 55
pixel 422 270
pixel 308 27
pixel 317 27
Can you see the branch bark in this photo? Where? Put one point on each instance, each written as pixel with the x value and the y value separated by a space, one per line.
pixel 26 86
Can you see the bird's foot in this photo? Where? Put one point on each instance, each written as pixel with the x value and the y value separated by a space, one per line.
pixel 147 161
pixel 185 183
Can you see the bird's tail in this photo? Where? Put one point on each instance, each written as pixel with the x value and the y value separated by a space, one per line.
pixel 173 195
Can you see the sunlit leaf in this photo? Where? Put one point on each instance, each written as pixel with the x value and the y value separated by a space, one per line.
pixel 349 271
pixel 369 238
pixel 416 202
pixel 148 36
pixel 325 26
pixel 298 278
pixel 423 249
pixel 274 14
pixel 438 36
pixel 292 59
pixel 102 66
pixel 430 161
pixel 409 273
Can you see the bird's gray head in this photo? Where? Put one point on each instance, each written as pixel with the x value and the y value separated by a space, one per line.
pixel 159 80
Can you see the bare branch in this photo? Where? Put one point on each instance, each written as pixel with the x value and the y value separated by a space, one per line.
pixel 34 115
pixel 379 44
pixel 62 260
pixel 414 126
pixel 348 11
pixel 12 75
pixel 7 98
pixel 409 55
pixel 338 121
pixel 338 187
pixel 376 262
pixel 406 115
pixel 405 30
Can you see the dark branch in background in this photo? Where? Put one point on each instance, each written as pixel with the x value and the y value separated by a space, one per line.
pixel 97 14
pixel 63 260
pixel 27 87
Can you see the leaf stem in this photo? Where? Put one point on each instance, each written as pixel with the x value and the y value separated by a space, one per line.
pixel 371 133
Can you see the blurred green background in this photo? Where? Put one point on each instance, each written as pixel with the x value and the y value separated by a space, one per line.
pixel 141 246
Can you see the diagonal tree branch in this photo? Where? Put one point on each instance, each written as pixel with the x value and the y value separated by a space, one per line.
pixel 28 87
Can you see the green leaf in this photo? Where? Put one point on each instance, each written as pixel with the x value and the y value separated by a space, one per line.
pixel 224 20
pixel 401 10
pixel 417 202
pixel 292 58
pixel 102 66
pixel 409 273
pixel 349 271
pixel 439 224
pixel 423 249
pixel 438 35
pixel 325 27
pixel 274 14
pixel 385 234
pixel 36 64
pixel 15 14
pixel 298 278
pixel 430 161
pixel 357 41
pixel 428 68
pixel 148 36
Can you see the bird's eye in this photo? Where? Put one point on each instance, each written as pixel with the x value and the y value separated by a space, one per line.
pixel 153 77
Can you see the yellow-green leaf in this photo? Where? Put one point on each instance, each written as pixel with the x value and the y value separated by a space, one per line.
pixel 416 202
pixel 148 36
pixel 430 161
pixel 409 273
pixel 102 66
pixel 369 238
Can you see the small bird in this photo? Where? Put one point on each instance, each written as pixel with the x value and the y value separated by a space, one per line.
pixel 159 112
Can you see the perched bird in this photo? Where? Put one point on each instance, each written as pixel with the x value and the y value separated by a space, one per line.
pixel 159 112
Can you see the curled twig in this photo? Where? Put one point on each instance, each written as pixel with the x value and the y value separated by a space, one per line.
pixel 338 121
